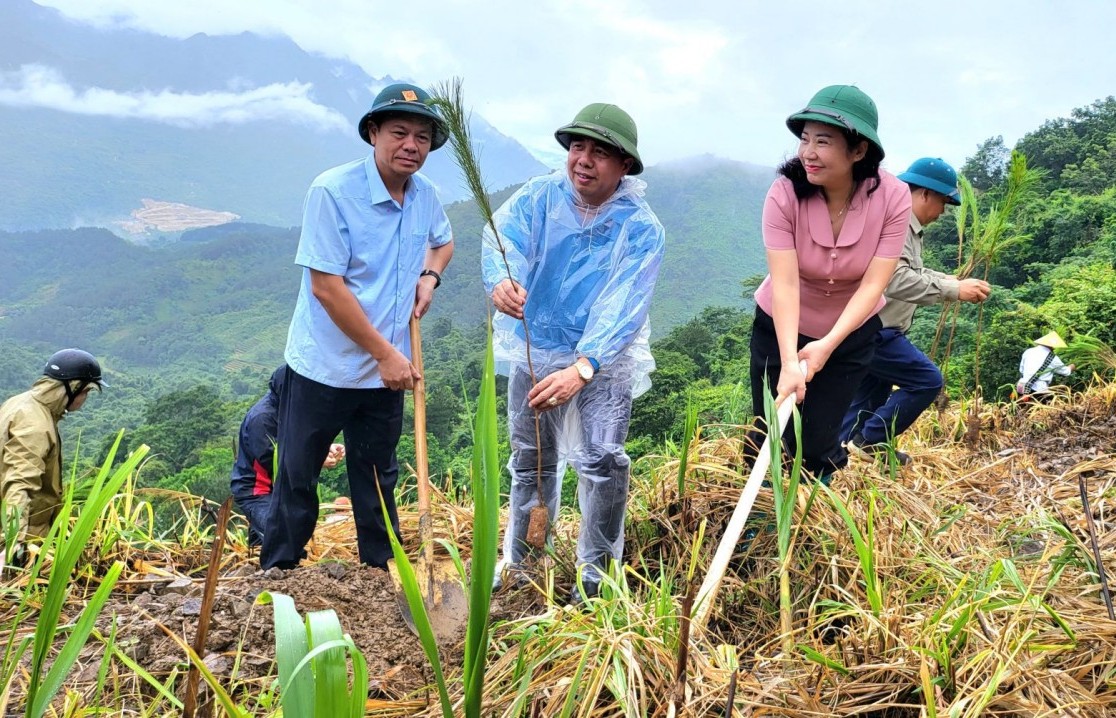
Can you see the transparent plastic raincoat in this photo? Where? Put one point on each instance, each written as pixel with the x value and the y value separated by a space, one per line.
pixel 589 273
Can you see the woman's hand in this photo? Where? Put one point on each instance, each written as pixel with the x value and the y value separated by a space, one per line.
pixel 815 354
pixel 791 381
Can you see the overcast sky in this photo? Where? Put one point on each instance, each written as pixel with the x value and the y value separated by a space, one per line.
pixel 699 77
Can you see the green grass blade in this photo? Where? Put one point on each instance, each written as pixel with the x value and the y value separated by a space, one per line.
pixel 331 675
pixel 68 549
pixel 140 671
pixel 486 493
pixel 823 660
pixel 291 644
pixel 418 611
pixel 688 435
pixel 71 649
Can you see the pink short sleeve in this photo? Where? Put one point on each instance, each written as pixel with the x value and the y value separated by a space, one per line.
pixel 778 215
pixel 897 217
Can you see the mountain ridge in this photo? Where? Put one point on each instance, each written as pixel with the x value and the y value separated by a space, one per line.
pixel 238 123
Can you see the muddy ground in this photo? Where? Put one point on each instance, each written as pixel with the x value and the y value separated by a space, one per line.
pixel 240 645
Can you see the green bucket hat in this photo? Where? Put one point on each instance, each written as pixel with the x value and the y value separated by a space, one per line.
pixel 604 123
pixel 841 106
pixel 404 97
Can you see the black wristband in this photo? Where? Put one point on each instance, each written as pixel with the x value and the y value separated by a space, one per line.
pixel 432 273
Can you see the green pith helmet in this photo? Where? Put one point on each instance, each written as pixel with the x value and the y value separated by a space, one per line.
pixel 841 106
pixel 404 97
pixel 604 123
pixel 934 174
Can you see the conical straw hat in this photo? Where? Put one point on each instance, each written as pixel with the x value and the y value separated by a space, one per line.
pixel 1051 340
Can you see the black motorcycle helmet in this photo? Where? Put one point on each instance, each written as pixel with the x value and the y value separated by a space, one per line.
pixel 76 369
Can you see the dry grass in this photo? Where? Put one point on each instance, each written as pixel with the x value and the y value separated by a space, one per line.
pixel 990 596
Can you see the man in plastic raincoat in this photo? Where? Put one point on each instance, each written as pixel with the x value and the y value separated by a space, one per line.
pixel 31 449
pixel 576 261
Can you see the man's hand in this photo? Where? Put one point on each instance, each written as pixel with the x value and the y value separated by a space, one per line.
pixel 973 290
pixel 335 456
pixel 556 389
pixel 509 298
pixel 396 372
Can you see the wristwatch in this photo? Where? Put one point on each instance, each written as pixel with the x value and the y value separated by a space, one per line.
pixel 584 370
pixel 432 273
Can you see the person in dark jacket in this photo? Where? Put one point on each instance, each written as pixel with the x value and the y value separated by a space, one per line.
pixel 252 473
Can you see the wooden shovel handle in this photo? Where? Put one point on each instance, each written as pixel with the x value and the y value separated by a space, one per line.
pixel 426 532
pixel 707 594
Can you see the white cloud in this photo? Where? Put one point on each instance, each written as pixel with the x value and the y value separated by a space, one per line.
pixel 39 86
pixel 714 76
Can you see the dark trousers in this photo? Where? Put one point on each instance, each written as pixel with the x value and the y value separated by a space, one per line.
pixel 828 394
pixel 879 414
pixel 256 510
pixel 310 417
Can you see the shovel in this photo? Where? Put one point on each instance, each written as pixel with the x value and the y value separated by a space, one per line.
pixel 442 592
pixel 707 594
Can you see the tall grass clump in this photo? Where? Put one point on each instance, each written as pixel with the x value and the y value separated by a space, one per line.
pixel 785 496
pixel 486 500
pixel 313 670
pixel 65 547
pixel 982 240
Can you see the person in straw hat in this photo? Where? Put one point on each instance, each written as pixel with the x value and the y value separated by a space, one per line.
pixel 583 251
pixel 1039 364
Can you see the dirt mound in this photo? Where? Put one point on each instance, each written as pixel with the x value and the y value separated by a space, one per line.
pixel 363 598
pixel 1071 436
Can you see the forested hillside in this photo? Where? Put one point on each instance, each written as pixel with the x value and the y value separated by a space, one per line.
pixel 189 330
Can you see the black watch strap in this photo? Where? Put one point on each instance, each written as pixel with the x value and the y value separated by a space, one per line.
pixel 432 273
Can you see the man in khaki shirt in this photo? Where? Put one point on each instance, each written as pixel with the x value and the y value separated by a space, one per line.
pixel 878 414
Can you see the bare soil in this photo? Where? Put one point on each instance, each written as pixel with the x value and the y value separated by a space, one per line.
pixel 363 598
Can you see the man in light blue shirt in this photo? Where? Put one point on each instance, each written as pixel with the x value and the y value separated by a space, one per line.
pixel 574 269
pixel 374 243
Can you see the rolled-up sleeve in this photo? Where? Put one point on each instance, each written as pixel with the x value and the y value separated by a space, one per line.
pixel 921 286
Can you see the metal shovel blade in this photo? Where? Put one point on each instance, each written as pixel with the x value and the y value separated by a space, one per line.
pixel 443 598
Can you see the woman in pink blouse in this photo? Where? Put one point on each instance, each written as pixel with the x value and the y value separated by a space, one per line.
pixel 833 227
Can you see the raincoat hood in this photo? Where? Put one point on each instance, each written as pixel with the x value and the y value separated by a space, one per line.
pixel 51 394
